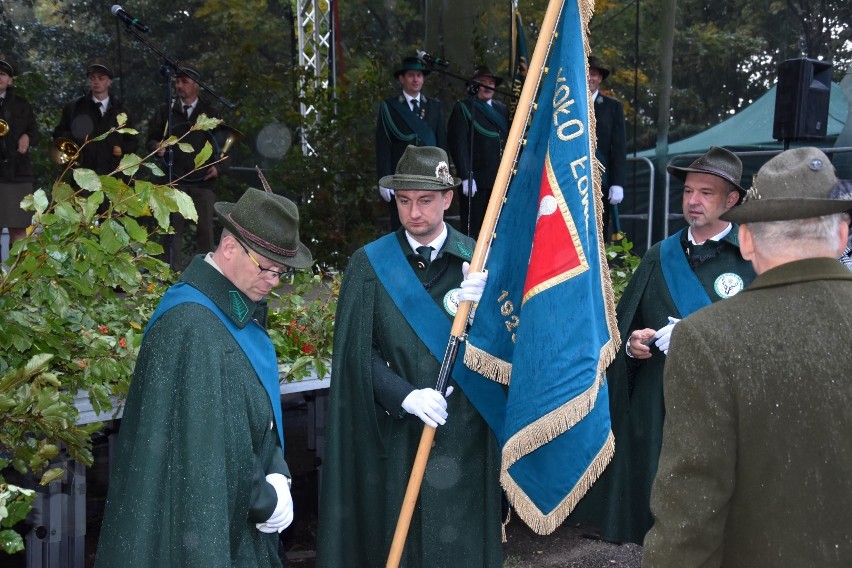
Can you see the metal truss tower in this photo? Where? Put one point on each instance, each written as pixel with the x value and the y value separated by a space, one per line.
pixel 316 52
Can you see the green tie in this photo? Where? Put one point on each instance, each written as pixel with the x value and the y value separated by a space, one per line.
pixel 426 253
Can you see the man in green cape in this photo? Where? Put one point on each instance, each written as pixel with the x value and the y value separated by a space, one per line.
pixel 199 476
pixel 397 292
pixel 695 267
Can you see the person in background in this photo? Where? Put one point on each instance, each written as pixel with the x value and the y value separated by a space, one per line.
pixel 476 133
pixel 755 464
pixel 398 294
pixel 199 476
pixel 200 184
pixel 610 130
pixel 695 267
pixel 410 118
pixel 93 114
pixel 843 190
pixel 18 133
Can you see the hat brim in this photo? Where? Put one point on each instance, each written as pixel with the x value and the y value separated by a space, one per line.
pixel 7 67
pixel 785 209
pixel 681 172
pixel 98 67
pixel 497 80
pixel 421 183
pixel 604 71
pixel 300 261
pixel 399 72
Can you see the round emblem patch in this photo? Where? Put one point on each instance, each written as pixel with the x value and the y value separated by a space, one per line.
pixel 451 301
pixel 728 284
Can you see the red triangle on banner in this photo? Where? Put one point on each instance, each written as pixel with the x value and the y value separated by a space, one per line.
pixel 556 254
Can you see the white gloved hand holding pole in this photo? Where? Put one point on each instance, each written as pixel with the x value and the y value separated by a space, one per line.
pixel 472 285
pixel 282 516
pixel 469 187
pixel 386 193
pixel 616 194
pixel 664 336
pixel 428 405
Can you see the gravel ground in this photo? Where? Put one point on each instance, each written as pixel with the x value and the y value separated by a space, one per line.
pixel 565 548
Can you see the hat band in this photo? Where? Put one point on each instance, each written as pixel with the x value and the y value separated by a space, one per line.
pixel 419 178
pixel 258 241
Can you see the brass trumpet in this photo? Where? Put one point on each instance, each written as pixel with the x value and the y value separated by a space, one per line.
pixel 63 151
pixel 232 136
pixel 4 127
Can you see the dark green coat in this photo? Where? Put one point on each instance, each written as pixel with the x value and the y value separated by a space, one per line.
pixel 489 137
pixel 756 466
pixel 619 503
pixel 197 439
pixel 378 360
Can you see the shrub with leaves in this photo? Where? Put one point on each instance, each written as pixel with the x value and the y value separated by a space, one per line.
pixel 622 264
pixel 301 324
pixel 74 297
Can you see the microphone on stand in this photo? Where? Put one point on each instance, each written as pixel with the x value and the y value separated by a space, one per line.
pixel 433 60
pixel 131 22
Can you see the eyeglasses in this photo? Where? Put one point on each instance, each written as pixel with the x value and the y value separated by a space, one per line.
pixel 267 272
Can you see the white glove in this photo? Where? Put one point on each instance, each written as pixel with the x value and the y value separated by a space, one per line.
pixel 472 285
pixel 386 193
pixel 664 336
pixel 428 405
pixel 282 516
pixel 469 186
pixel 616 194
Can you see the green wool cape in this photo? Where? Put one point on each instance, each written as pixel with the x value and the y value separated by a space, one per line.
pixel 197 439
pixel 378 361
pixel 619 502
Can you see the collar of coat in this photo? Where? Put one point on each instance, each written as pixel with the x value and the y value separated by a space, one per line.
pixel 806 270
pixel 237 306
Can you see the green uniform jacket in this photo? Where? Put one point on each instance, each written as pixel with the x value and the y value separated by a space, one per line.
pixel 619 503
pixel 488 140
pixel 197 438
pixel 756 466
pixel 378 360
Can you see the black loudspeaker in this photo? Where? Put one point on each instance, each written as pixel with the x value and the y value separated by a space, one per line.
pixel 801 100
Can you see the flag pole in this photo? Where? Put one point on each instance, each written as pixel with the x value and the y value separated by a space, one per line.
pixel 483 243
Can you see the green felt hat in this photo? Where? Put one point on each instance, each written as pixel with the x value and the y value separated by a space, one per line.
pixel 595 63
pixel 424 168
pixel 795 184
pixel 267 224
pixel 411 64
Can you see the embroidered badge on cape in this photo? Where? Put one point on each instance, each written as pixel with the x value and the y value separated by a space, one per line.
pixel 728 284
pixel 451 301
pixel 238 305
pixel 464 250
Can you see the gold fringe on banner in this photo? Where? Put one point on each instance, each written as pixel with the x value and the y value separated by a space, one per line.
pixel 546 523
pixel 487 365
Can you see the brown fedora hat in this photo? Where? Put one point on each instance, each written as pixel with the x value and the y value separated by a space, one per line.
pixel 268 224
pixel 718 162
pixel 795 184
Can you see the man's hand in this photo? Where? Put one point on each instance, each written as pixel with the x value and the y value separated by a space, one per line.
pixel 282 516
pixel 469 187
pixel 386 193
pixel 637 343
pixel 616 194
pixel 472 285
pixel 23 143
pixel 212 173
pixel 664 336
pixel 428 405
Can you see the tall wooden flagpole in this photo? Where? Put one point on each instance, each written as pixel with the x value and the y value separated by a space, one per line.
pixel 526 107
